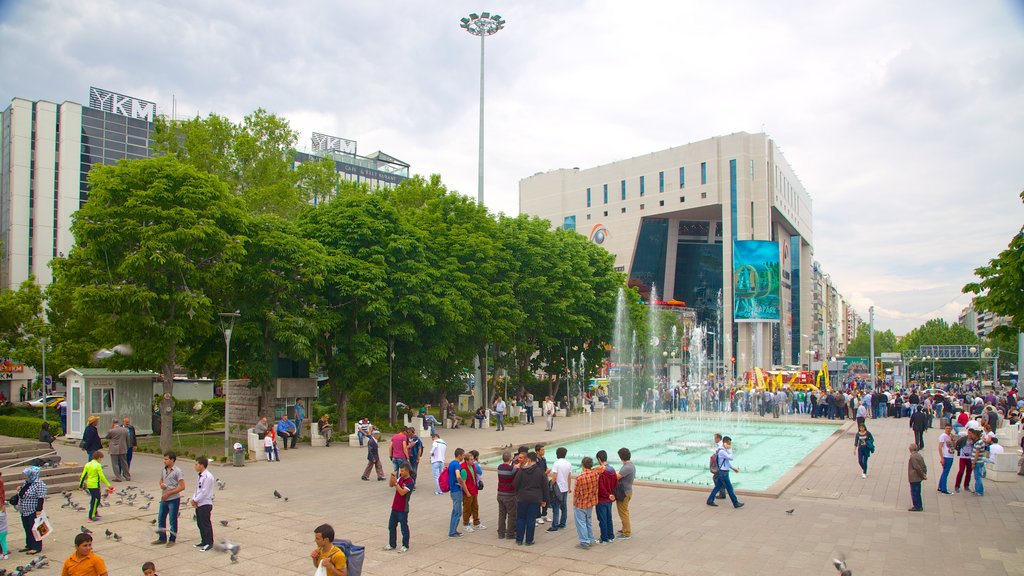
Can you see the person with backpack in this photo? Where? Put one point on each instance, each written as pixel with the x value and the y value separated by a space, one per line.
pixel 863 446
pixel 454 482
pixel 722 460
pixel 326 555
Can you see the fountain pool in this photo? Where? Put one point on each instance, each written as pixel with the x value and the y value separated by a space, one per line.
pixel 676 451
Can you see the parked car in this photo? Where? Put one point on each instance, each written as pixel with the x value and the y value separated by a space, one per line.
pixel 51 401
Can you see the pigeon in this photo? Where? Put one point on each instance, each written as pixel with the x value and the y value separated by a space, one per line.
pixel 86 530
pixel 109 533
pixel 285 498
pixel 840 564
pixel 225 546
pixel 104 353
pixel 223 522
pixel 220 484
pixel 277 494
pixel 145 506
pixel 153 521
pixel 791 511
pixel 116 537
pixel 119 501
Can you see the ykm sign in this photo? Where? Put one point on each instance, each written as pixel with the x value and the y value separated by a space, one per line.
pixel 120 104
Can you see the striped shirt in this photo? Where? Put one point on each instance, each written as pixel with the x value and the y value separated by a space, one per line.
pixel 506 472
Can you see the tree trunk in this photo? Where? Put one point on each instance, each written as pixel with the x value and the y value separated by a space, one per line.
pixel 167 406
pixel 343 410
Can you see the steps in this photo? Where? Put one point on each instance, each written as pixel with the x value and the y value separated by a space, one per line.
pixel 16 457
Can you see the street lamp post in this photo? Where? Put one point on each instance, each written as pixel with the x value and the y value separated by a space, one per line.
pixel 482 25
pixel 42 342
pixel 227 324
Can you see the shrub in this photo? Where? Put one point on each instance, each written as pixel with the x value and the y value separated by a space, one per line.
pixel 22 427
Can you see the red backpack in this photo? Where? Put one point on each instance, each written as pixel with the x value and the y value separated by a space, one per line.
pixel 444 481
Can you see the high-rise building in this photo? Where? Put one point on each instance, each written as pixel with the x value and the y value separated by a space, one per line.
pixel 678 221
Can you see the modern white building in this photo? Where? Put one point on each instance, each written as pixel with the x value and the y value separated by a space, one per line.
pixel 673 218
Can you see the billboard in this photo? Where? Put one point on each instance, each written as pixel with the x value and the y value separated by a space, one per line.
pixel 755 265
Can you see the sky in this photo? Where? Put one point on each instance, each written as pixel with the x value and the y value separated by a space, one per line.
pixel 903 120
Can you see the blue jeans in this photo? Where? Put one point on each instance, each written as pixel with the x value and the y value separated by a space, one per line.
pixel 398 519
pixel 397 462
pixel 526 521
pixel 168 508
pixel 437 468
pixel 979 486
pixel 604 521
pixel 915 494
pixel 499 418
pixel 862 458
pixel 453 526
pixel 722 482
pixel 947 465
pixel 360 436
pixel 584 525
pixel 558 508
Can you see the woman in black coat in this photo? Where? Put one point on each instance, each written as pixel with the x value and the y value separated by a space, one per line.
pixel 91 437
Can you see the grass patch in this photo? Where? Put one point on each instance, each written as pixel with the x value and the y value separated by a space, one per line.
pixel 189 446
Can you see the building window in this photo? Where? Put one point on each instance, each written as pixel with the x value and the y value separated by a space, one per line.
pixel 605 195
pixel 605 213
pixel 623 189
pixel 703 172
pixel 661 181
pixel 641 186
pixel 623 209
pixel 641 206
pixel 101 401
pixel 751 169
pixel 682 177
pixel 588 216
pixel 703 195
pixel 682 198
pixel 588 197
pixel 661 202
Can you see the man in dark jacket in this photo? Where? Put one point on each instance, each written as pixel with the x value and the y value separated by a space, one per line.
pixel 919 423
pixel 531 485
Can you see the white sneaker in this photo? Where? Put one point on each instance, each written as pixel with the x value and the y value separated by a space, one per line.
pixel 863 475
pixel 541 520
pixel 388 548
pixel 467 528
pixel 403 550
pixel 4 556
pixel 480 527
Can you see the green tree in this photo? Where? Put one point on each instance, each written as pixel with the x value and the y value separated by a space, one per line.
pixel 885 341
pixel 157 244
pixel 21 324
pixel 1001 288
pixel 938 332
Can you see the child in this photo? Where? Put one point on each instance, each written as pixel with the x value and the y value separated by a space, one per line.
pixel 3 534
pixel 149 569
pixel 270 445
pixel 92 475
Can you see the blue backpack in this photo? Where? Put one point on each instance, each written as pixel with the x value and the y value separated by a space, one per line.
pixel 354 556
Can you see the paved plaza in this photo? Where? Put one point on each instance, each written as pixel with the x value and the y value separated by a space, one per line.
pixel 834 511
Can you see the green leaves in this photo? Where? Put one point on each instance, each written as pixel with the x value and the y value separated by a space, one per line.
pixel 1001 289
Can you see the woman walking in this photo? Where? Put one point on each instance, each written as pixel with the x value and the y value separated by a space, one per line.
pixel 91 437
pixel 30 505
pixel 863 446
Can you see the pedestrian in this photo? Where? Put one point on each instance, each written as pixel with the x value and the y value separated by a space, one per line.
pixel 549 413
pixel 918 423
pixel 202 501
pixel 399 451
pixel 92 476
pixel 415 450
pixel 4 551
pixel 172 484
pixel 624 493
pixel 506 492
pixel 133 441
pixel 531 487
pixel 917 472
pixel 62 412
pixel 83 561
pixel 300 415
pixel 499 414
pixel 118 448
pixel 722 482
pixel 287 431
pixel 946 455
pixel 718 446
pixel 470 503
pixel 542 463
pixel 456 487
pixel 863 446
pixel 31 496
pixel 270 445
pixel 561 476
pixel 403 484
pixel 978 458
pixel 584 498
pixel 964 447
pixel 529 407
pixel 149 569
pixel 373 457
pixel 606 483
pixel 91 437
pixel 438 447
pixel 326 555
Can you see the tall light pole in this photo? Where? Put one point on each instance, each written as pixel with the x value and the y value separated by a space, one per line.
pixel 227 324
pixel 42 342
pixel 482 25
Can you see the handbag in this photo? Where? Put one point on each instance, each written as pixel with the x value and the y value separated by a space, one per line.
pixel 82 444
pixel 14 499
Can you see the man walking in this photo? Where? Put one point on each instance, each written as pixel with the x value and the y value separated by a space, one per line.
pixel 499 414
pixel 919 423
pixel 624 493
pixel 584 498
pixel 456 487
pixel 133 441
pixel 202 501
pixel 529 407
pixel 946 455
pixel 438 447
pixel 507 498
pixel 172 484
pixel 725 465
pixel 373 457
pixel 917 472
pixel 118 436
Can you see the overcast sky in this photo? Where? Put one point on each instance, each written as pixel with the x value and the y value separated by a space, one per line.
pixel 904 120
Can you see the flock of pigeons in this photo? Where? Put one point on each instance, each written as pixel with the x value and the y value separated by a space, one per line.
pixel 33 564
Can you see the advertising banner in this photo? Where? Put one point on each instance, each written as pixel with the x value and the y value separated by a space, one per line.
pixel 755 281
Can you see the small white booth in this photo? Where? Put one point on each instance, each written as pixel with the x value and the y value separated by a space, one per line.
pixel 108 395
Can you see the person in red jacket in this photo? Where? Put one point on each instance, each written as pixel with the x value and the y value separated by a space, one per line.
pixel 605 497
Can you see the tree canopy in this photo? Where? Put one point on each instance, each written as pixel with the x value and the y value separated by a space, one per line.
pixel 1001 286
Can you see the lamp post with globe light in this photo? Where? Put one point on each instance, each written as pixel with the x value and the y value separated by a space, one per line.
pixel 227 324
pixel 482 25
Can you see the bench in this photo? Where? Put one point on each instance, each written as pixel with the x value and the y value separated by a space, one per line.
pixel 315 438
pixel 1003 468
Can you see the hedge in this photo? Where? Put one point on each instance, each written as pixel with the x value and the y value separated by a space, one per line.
pixel 22 427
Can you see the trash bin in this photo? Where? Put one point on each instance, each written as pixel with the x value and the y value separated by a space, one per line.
pixel 238 455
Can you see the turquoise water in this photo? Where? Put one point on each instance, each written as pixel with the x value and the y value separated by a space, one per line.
pixel 676 451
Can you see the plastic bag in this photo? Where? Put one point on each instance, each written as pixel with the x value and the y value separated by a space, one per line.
pixel 320 570
pixel 42 527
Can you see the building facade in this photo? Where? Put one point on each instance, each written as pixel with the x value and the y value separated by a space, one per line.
pixel 673 218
